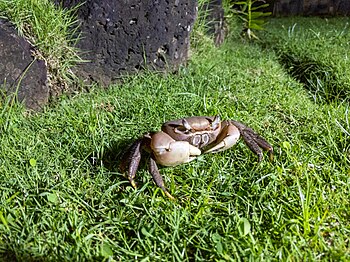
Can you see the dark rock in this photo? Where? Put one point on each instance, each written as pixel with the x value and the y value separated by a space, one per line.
pixel 341 7
pixel 121 37
pixel 288 7
pixel 311 7
pixel 321 7
pixel 19 71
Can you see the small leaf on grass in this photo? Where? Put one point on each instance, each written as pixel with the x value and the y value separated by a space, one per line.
pixel 52 198
pixel 3 220
pixel 106 250
pixel 32 162
pixel 286 145
pixel 88 237
pixel 244 227
pixel 219 247
pixel 256 26
pixel 217 239
pixel 145 232
pixel 240 3
pixel 259 7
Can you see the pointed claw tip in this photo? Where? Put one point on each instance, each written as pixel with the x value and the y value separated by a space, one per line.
pixel 133 183
pixel 271 155
pixel 168 195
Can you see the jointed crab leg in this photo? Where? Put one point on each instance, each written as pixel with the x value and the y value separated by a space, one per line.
pixel 264 145
pixel 134 157
pixel 253 140
pixel 133 160
pixel 153 169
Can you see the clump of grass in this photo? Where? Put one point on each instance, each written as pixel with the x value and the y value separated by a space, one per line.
pixel 62 197
pixel 201 34
pixel 61 200
pixel 207 32
pixel 50 29
pixel 314 51
pixel 252 16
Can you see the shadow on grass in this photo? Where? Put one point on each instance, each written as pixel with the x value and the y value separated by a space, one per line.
pixel 319 79
pixel 112 158
pixel 11 256
pixel 8 255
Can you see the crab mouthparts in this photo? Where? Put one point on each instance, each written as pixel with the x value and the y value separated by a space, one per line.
pixel 200 140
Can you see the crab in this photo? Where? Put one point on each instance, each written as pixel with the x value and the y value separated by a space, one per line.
pixel 183 140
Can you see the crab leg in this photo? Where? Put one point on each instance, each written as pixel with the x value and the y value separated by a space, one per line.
pixel 254 141
pixel 264 145
pixel 253 146
pixel 157 177
pixel 133 158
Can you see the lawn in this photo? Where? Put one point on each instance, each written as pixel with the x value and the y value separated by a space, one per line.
pixel 64 199
pixel 316 52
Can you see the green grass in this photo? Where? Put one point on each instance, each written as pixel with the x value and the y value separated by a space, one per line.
pixel 315 51
pixel 62 197
pixel 50 29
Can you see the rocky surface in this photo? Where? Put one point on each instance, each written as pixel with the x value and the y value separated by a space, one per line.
pixel 122 37
pixel 311 7
pixel 20 73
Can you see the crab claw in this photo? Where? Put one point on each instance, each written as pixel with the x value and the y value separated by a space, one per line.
pixel 169 152
pixel 228 137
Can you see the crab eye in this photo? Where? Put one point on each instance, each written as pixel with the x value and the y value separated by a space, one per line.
pixel 186 131
pixel 186 124
pixel 215 123
pixel 182 129
pixel 185 128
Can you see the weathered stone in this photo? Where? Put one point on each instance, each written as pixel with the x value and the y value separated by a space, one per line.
pixel 320 7
pixel 121 37
pixel 19 72
pixel 288 7
pixel 311 7
pixel 341 7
